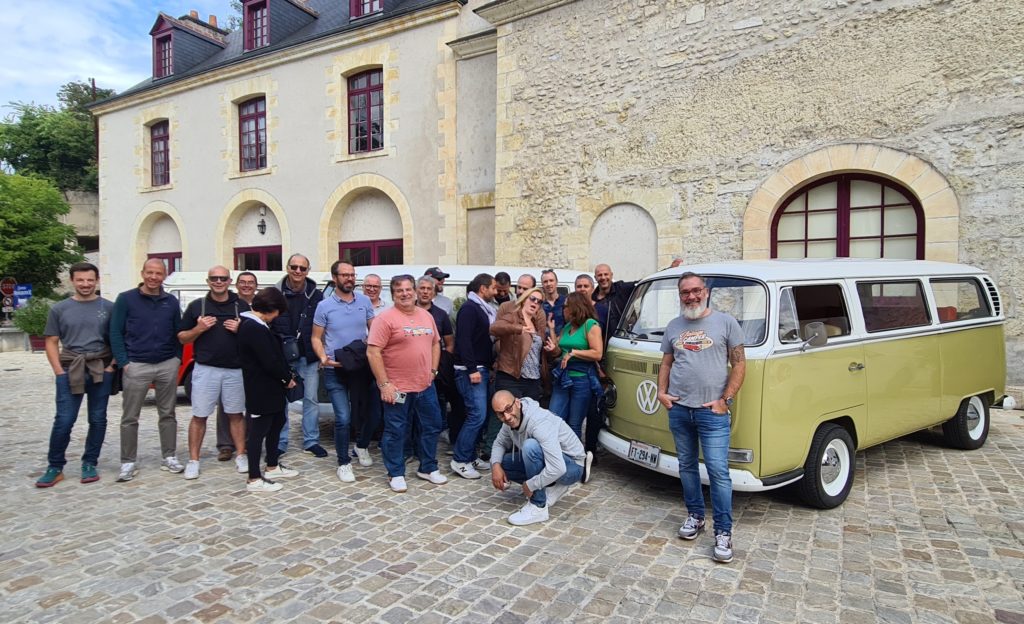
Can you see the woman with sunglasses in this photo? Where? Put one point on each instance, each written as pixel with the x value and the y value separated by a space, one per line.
pixel 579 347
pixel 520 329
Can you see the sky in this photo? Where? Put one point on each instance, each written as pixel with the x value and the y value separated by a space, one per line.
pixel 47 43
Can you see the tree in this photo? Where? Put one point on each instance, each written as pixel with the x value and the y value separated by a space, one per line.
pixel 77 96
pixel 235 21
pixel 34 245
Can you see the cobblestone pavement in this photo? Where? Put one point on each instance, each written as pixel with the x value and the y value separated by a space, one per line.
pixel 928 534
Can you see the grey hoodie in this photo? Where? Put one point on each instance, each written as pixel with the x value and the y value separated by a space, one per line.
pixel 551 432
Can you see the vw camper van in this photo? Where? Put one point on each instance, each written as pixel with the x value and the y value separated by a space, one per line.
pixel 841 355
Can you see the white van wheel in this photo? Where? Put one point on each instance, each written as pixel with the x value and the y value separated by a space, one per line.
pixel 968 430
pixel 828 471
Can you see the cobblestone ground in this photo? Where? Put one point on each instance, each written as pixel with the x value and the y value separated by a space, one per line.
pixel 928 534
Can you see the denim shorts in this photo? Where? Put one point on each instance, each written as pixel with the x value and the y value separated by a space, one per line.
pixel 212 385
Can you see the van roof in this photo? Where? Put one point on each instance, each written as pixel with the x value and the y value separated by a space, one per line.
pixel 804 269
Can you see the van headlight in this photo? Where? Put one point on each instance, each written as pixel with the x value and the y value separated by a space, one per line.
pixel 741 456
pixel 611 394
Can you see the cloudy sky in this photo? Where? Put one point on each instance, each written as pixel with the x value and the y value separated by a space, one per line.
pixel 46 43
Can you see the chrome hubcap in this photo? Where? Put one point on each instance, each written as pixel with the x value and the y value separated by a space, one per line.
pixel 830 466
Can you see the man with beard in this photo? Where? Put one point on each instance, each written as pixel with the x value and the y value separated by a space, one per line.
pixel 340 320
pixel 697 388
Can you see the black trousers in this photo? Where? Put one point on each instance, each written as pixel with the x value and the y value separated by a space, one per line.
pixel 265 428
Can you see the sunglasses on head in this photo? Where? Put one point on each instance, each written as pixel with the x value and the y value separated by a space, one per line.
pixel 298 267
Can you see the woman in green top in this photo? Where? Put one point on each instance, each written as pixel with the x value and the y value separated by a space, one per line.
pixel 579 348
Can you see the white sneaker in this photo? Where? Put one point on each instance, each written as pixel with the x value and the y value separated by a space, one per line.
pixel 192 469
pixel 242 464
pixel 172 465
pixel 364 457
pixel 397 484
pixel 480 464
pixel 345 474
pixel 529 514
pixel 279 471
pixel 465 470
pixel 128 472
pixel 556 491
pixel 435 477
pixel 262 485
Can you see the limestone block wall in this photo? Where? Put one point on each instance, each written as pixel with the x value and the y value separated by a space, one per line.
pixel 694 111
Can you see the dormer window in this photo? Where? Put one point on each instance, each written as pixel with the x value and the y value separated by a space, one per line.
pixel 257 26
pixel 359 8
pixel 163 60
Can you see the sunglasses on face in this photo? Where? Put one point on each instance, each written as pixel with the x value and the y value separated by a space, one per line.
pixel 536 300
pixel 298 267
pixel 219 278
pixel 508 410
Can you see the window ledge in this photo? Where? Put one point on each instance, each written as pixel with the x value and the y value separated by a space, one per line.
pixel 234 175
pixel 387 151
pixel 154 189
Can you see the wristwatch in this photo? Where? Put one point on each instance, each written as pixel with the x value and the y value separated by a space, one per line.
pixel 728 401
pixel 433 371
pixel 384 384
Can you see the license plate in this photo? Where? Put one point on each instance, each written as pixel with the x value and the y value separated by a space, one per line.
pixel 643 453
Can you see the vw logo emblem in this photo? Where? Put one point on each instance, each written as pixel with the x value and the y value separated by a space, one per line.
pixel 647 396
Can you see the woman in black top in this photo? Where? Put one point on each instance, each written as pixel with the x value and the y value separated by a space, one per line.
pixel 266 377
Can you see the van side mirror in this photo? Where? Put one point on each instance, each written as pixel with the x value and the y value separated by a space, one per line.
pixel 814 335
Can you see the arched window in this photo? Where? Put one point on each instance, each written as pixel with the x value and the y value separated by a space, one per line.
pixel 849 215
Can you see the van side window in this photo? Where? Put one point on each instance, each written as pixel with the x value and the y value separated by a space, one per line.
pixel 892 305
pixel 800 305
pixel 959 299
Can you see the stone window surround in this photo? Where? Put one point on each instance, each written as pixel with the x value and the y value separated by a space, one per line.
pixel 164 112
pixel 341 69
pixel 233 95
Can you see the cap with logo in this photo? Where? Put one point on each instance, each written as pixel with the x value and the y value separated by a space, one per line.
pixel 436 273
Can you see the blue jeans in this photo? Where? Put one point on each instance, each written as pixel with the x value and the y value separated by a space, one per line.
pixel 309 370
pixel 529 462
pixel 572 403
pixel 476 397
pixel 423 406
pixel 342 415
pixel 690 425
pixel 67 413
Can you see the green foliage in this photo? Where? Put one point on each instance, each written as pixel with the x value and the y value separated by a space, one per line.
pixel 36 245
pixel 235 21
pixel 77 96
pixel 31 318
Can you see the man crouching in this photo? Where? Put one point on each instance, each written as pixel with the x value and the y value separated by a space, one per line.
pixel 539 450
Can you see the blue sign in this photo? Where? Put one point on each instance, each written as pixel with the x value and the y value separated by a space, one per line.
pixel 22 293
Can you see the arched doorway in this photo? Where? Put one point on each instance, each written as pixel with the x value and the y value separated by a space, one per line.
pixel 625 237
pixel 371 230
pixel 256 239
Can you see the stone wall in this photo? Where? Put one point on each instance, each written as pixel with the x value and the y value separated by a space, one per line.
pixel 686 109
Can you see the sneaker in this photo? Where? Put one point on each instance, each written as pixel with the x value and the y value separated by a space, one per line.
pixel 224 454
pixel 529 514
pixel 723 548
pixel 128 472
pixel 556 491
pixel 691 528
pixel 481 464
pixel 434 477
pixel 345 474
pixel 280 471
pixel 192 469
pixel 262 485
pixel 51 477
pixel 464 470
pixel 316 451
pixel 89 474
pixel 588 463
pixel 364 457
pixel 172 465
pixel 242 464
pixel 397 484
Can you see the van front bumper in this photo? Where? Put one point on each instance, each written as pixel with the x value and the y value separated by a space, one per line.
pixel 668 464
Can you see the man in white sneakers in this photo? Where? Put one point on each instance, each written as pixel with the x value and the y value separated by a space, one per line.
pixel 538 449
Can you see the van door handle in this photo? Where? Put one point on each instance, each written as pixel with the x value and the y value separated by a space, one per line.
pixel 855 366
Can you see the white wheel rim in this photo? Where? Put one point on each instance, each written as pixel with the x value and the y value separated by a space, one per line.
pixel 975 420
pixel 835 467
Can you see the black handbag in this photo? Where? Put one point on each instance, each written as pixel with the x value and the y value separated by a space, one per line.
pixel 296 392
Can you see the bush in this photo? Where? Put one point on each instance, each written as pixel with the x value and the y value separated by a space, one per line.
pixel 31 318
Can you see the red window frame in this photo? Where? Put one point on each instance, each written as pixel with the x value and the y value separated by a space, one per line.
pixel 843 211
pixel 252 134
pixel 171 260
pixel 163 54
pixel 366 111
pixel 376 249
pixel 257 24
pixel 359 8
pixel 160 153
pixel 264 252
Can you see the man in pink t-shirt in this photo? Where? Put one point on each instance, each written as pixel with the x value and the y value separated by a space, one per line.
pixel 404 349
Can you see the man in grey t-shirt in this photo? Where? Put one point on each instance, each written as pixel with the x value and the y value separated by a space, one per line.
pixel 697 388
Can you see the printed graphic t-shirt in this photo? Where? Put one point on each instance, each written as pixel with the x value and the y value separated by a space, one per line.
pixel 700 351
pixel 406 341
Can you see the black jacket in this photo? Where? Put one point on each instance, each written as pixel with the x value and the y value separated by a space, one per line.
pixel 298 320
pixel 617 298
pixel 473 346
pixel 265 373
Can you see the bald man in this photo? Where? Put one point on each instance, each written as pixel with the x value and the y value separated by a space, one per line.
pixel 144 338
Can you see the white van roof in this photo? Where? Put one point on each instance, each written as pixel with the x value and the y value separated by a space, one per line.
pixel 804 269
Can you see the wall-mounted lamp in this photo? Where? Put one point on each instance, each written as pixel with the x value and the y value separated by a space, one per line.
pixel 262 226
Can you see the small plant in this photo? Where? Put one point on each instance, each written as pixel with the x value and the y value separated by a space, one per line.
pixel 31 318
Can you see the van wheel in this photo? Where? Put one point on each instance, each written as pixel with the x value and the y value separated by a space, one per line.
pixel 828 471
pixel 967 430
pixel 187 382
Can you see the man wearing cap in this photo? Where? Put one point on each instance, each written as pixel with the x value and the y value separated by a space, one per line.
pixel 440 300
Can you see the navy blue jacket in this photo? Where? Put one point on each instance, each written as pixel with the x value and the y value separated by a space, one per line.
pixel 299 317
pixel 473 346
pixel 144 328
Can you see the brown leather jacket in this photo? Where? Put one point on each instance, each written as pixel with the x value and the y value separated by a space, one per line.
pixel 512 345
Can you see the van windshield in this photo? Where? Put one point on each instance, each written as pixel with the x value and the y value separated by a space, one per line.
pixel 655 303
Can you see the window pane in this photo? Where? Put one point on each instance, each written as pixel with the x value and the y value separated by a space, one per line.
pixel 791 227
pixel 959 299
pixel 821 249
pixel 901 248
pixel 823 303
pixel 357 256
pixel 866 248
pixel 821 225
pixel 822 197
pixel 867 222
pixel 790 250
pixel 892 196
pixel 389 254
pixel 901 220
pixel 273 260
pixel 864 193
pixel 892 305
